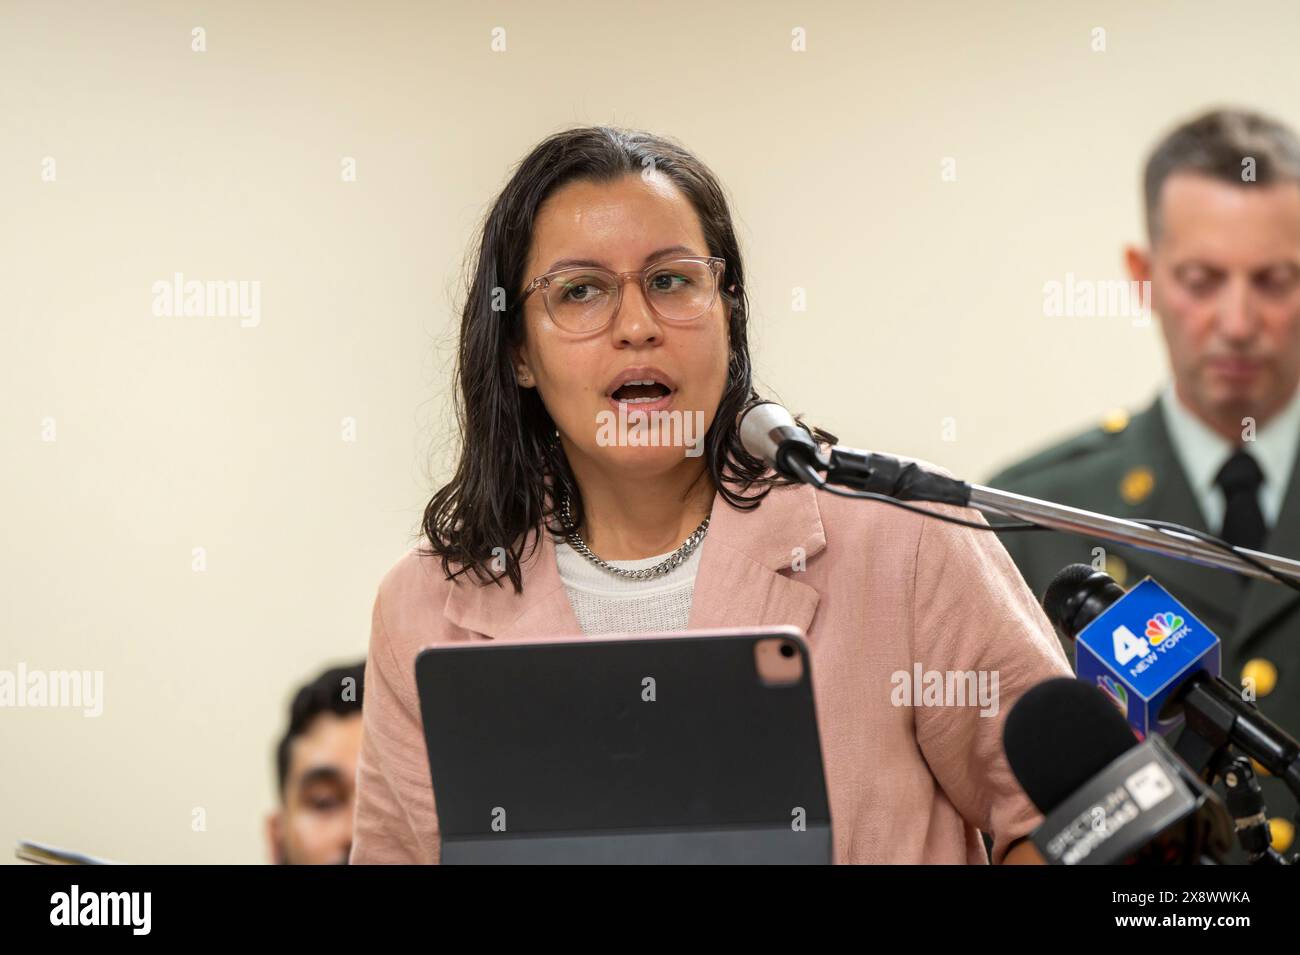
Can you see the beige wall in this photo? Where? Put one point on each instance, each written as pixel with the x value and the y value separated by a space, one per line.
pixel 924 302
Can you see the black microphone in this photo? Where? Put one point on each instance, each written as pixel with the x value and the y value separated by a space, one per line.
pixel 1215 712
pixel 1107 799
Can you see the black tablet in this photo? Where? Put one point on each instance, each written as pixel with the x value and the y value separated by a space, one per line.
pixel 693 747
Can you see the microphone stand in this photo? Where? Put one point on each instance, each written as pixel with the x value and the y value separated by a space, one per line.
pixel 1246 806
pixel 883 474
pixel 1167 542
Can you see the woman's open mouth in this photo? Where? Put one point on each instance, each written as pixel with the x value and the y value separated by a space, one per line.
pixel 641 389
pixel 641 392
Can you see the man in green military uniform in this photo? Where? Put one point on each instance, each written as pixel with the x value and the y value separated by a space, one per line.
pixel 1217 449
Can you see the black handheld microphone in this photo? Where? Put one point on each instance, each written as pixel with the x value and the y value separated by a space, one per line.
pixel 1215 712
pixel 1107 799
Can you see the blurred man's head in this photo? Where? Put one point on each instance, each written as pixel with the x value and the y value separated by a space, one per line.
pixel 317 765
pixel 1223 220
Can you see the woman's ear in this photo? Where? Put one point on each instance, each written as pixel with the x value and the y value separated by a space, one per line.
pixel 523 375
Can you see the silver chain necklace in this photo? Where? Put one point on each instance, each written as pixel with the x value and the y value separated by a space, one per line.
pixel 670 562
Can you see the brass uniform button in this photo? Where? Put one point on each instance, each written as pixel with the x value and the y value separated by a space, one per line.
pixel 1137 485
pixel 1282 832
pixel 1116 567
pixel 1260 673
pixel 1116 420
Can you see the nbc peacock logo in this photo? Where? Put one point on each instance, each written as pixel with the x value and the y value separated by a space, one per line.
pixel 1160 626
pixel 1115 691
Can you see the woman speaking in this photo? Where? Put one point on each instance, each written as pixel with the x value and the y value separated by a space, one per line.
pixel 609 288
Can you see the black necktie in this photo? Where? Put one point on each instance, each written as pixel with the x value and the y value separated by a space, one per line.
pixel 1243 521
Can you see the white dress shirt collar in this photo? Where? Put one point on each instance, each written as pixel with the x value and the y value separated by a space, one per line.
pixel 1202 452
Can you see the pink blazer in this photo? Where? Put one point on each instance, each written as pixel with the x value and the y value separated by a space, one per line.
pixel 884 596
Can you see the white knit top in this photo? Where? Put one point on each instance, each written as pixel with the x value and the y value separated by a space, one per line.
pixel 606 603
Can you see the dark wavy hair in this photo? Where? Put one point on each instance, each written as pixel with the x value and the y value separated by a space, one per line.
pixel 324 694
pixel 511 462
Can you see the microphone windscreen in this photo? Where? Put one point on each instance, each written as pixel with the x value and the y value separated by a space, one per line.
pixel 761 427
pixel 1059 735
pixel 1077 596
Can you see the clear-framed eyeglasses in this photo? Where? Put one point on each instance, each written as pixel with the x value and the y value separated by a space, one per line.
pixel 586 299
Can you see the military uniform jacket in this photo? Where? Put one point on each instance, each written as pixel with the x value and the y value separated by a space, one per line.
pixel 1129 468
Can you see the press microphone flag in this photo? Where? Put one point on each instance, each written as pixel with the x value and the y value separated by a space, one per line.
pixel 1139 647
pixel 1153 686
pixel 1106 798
